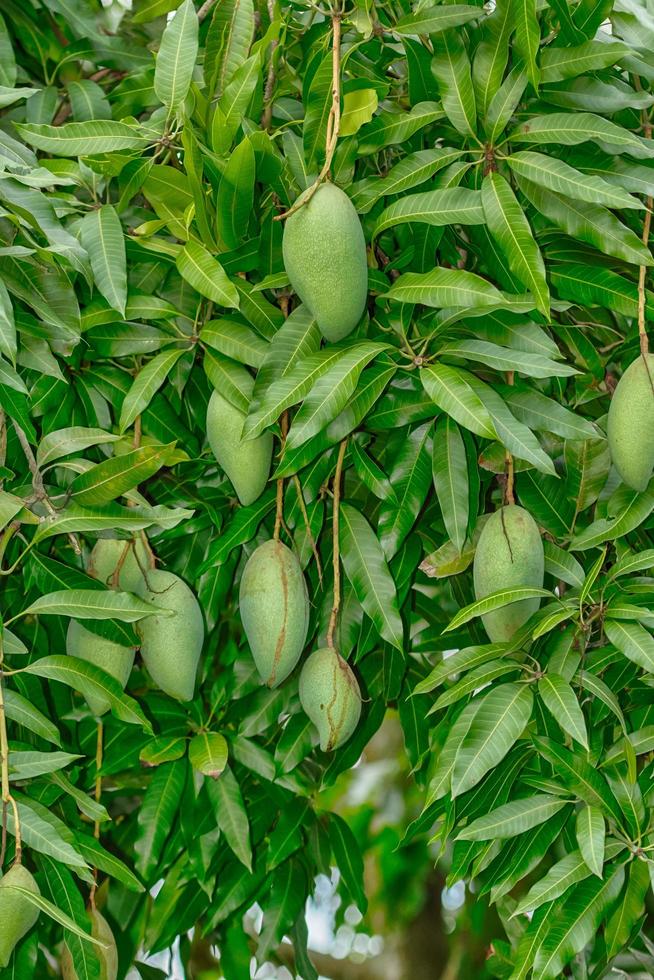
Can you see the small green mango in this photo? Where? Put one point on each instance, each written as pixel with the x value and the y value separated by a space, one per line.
pixel 171 645
pixel 108 552
pixel 107 953
pixel 117 660
pixel 509 553
pixel 17 914
pixel 630 425
pixel 245 461
pixel 274 608
pixel 325 258
pixel 330 696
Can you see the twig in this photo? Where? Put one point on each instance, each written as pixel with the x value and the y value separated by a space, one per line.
pixel 305 516
pixel 7 798
pixel 37 482
pixel 279 510
pixel 205 9
pixel 336 556
pixel 509 497
pixel 333 121
pixel 266 117
pixel 98 794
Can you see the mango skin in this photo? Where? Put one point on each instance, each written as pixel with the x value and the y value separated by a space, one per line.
pixel 245 461
pixel 509 553
pixel 117 660
pixel 630 424
pixel 330 696
pixel 324 254
pixel 17 914
pixel 274 607
pixel 106 554
pixel 100 930
pixel 171 645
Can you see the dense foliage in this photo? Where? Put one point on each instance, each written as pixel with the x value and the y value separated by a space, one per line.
pixel 500 161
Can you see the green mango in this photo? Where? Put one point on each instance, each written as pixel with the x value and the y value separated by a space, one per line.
pixel 509 553
pixel 330 696
pixel 171 645
pixel 108 552
pixel 274 607
pixel 630 425
pixel 17 914
pixel 107 953
pixel 245 461
pixel 325 258
pixel 117 660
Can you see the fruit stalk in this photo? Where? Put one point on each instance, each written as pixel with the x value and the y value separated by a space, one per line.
pixel 279 509
pixel 509 497
pixel 336 558
pixel 642 271
pixel 333 120
pixel 99 747
pixel 7 798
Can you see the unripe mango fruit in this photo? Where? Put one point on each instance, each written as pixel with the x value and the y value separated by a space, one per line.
pixel 509 554
pixel 274 607
pixel 117 660
pixel 107 953
pixel 325 258
pixel 106 555
pixel 330 696
pixel 245 461
pixel 17 914
pixel 630 425
pixel 171 644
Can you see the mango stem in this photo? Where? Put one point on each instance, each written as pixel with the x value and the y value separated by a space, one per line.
pixel 336 556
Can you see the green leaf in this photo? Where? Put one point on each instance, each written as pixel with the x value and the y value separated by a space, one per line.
pixel 449 388
pixel 176 57
pixel 562 702
pixel 443 206
pixel 93 604
pixel 560 877
pixel 158 810
pixel 114 477
pixel 63 442
pixel 367 571
pixel 633 641
pixel 496 600
pixel 509 226
pixel 207 753
pixel 145 385
pixel 205 274
pixel 500 718
pixel 102 237
pixel 22 712
pixel 331 392
pixel 557 176
pixel 451 68
pixel 631 907
pixel 513 818
pixel 43 905
pixel 573 128
pixel 590 830
pixel 437 18
pixel 445 287
pixel 231 815
pixel 89 679
pixel 236 195
pixel 527 38
pixel 78 139
pixel 450 472
pixel 579 920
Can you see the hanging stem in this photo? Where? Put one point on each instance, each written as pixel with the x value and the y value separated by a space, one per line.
pixel 99 747
pixel 279 510
pixel 336 556
pixel 7 798
pixel 642 271
pixel 305 516
pixel 333 121
pixel 509 497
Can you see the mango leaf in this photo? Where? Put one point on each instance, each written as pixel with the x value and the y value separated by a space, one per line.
pixel 176 56
pixel 102 237
pixel 367 571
